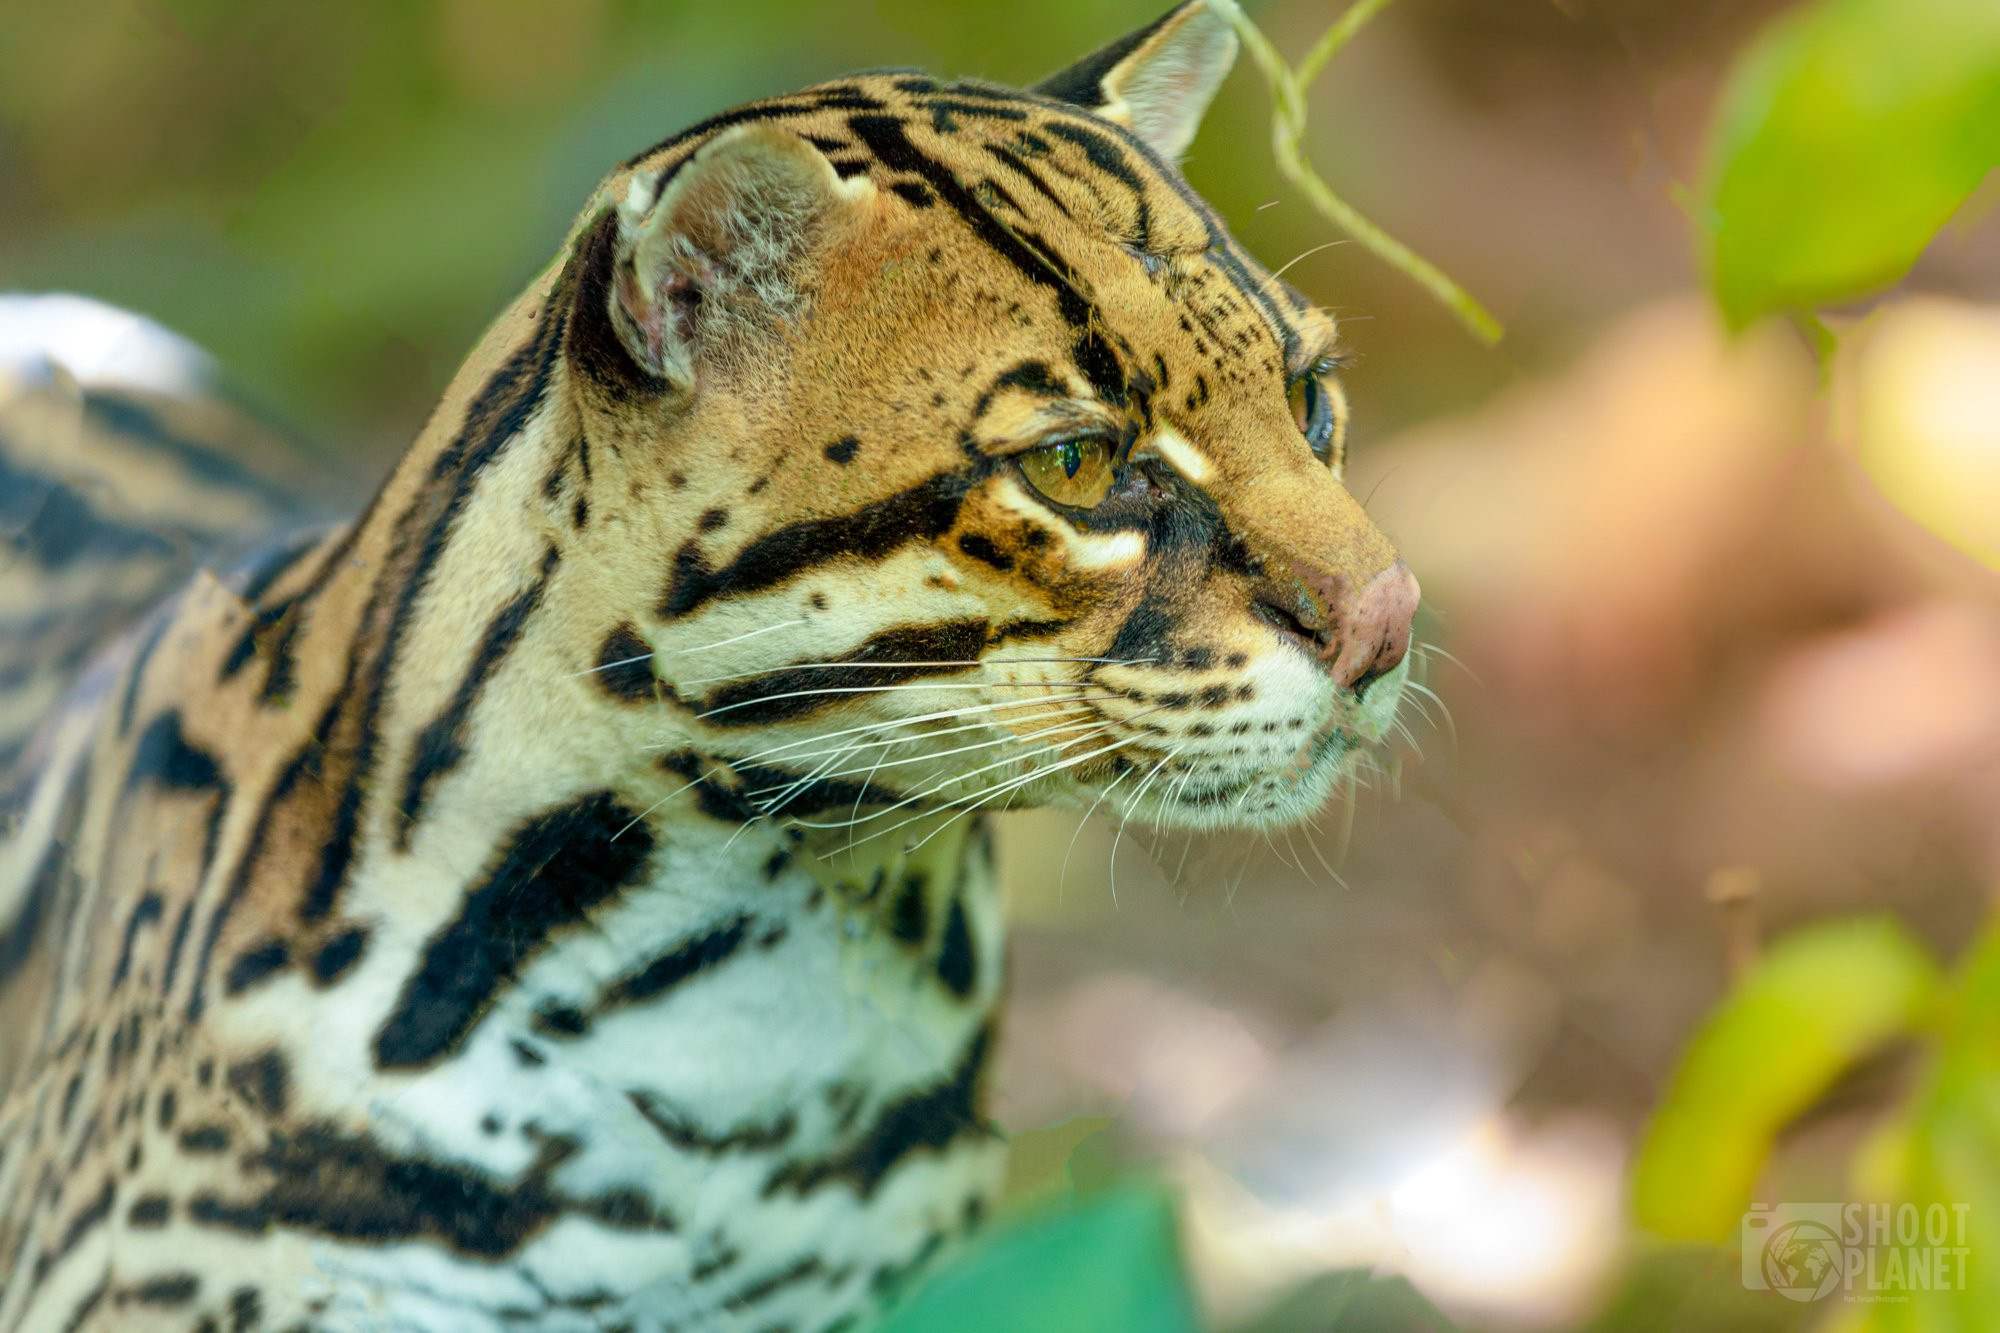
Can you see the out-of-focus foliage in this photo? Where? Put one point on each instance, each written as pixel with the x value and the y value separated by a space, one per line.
pixel 1353 1301
pixel 1109 1263
pixel 1850 133
pixel 1944 1149
pixel 1818 1002
pixel 1289 87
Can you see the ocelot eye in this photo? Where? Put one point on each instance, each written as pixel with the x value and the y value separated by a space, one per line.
pixel 1077 473
pixel 1320 410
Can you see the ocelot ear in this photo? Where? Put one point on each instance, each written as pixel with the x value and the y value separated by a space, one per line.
pixel 1156 82
pixel 721 247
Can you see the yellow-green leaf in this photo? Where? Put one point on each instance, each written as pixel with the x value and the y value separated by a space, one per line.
pixel 1848 135
pixel 1817 1001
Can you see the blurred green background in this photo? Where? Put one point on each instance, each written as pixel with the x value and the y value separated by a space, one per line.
pixel 334 198
pixel 1708 672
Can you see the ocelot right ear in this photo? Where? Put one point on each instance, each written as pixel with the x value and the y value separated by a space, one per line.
pixel 1157 81
pixel 717 246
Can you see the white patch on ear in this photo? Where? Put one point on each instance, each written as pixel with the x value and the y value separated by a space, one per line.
pixel 1161 85
pixel 723 246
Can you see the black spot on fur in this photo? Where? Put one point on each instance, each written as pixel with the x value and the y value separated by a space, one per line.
pixel 560 1020
pixel 205 1139
pixel 338 954
pixel 262 1081
pixel 957 966
pixel 170 1289
pixel 981 548
pixel 148 1210
pixel 843 451
pixel 624 667
pixel 256 964
pixel 910 916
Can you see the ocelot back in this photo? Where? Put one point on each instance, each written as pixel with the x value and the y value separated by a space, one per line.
pixel 558 897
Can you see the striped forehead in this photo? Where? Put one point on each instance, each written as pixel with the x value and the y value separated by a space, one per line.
pixel 1061 194
pixel 1014 151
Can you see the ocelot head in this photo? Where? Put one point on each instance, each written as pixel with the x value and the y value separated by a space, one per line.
pixel 937 445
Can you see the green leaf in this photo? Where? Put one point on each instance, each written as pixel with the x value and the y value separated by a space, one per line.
pixel 1351 1300
pixel 1848 135
pixel 1113 1263
pixel 1951 1157
pixel 1816 1002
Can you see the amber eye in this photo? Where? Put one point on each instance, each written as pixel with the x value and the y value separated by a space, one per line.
pixel 1320 410
pixel 1077 473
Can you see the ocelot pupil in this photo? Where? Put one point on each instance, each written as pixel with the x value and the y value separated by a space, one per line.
pixel 1072 457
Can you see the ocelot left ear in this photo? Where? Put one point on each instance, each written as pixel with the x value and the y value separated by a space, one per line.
pixel 1158 81
pixel 721 247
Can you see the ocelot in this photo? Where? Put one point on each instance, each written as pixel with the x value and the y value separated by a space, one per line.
pixel 558 898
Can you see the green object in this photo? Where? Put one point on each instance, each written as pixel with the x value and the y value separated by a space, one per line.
pixel 1288 131
pixel 1112 1263
pixel 1816 1002
pixel 1847 136
pixel 1948 1156
pixel 1352 1301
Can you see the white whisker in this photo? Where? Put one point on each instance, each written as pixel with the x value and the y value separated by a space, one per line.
pixel 1130 806
pixel 884 689
pixel 899 665
pixel 1001 789
pixel 640 817
pixel 942 715
pixel 942 784
pixel 607 666
pixel 962 749
pixel 1063 875
pixel 747 634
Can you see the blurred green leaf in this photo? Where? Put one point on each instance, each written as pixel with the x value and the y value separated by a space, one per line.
pixel 1949 1155
pixel 1352 1299
pixel 1817 1001
pixel 1848 135
pixel 1112 1263
pixel 1669 1288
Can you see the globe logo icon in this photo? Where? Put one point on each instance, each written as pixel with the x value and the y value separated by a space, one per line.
pixel 1802 1260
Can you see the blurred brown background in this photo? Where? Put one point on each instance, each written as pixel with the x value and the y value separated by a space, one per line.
pixel 1686 650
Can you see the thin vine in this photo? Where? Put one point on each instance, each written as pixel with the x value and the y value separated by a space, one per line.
pixel 1288 131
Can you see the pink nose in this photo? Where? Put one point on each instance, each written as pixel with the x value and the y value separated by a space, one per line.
pixel 1370 635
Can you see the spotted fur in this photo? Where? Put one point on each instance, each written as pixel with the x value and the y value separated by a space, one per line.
pixel 558 898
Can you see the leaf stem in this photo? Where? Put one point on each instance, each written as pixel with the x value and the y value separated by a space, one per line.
pixel 1288 129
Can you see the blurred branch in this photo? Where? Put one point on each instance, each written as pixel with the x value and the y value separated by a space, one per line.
pixel 1288 132
pixel 1734 892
